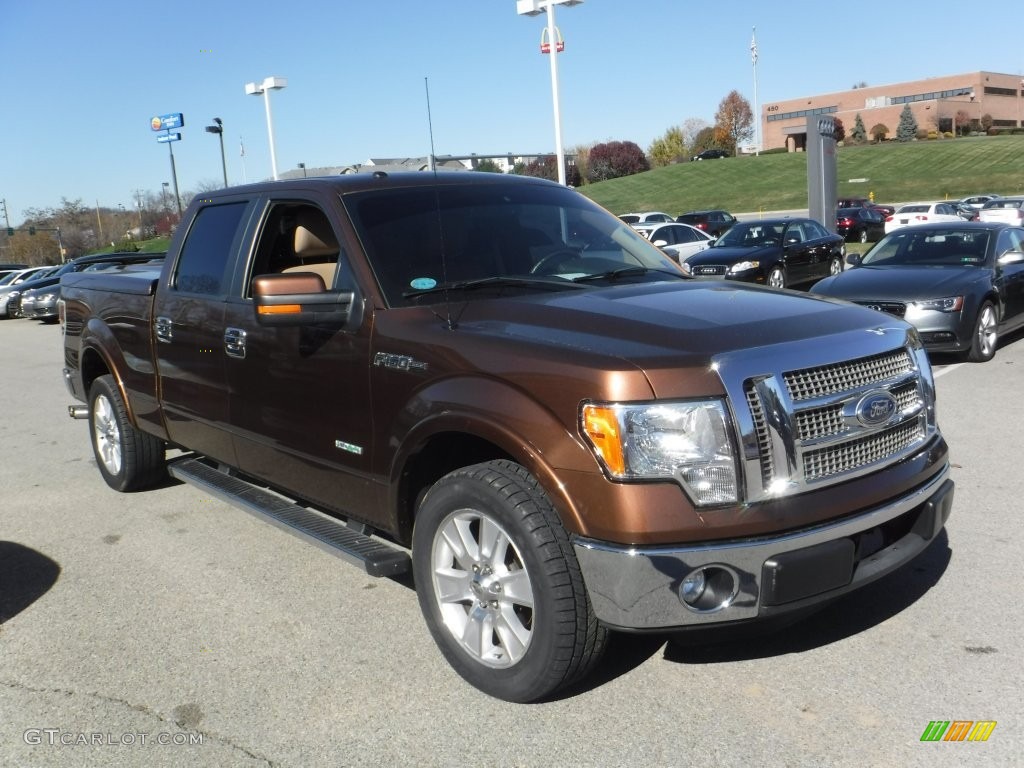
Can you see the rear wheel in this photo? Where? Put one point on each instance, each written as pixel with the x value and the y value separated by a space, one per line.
pixel 986 334
pixel 863 236
pixel 776 278
pixel 129 459
pixel 499 584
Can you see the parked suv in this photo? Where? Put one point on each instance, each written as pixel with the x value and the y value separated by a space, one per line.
pixel 715 223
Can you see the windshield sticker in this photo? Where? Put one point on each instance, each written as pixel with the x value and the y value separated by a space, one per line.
pixel 423 283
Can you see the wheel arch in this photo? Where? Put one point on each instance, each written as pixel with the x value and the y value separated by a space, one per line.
pixel 475 431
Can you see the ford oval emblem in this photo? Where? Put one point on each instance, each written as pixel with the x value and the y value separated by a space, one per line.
pixel 876 408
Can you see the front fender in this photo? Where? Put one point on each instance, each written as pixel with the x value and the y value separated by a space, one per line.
pixel 508 418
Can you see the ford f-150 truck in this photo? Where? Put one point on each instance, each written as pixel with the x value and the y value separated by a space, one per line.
pixel 496 384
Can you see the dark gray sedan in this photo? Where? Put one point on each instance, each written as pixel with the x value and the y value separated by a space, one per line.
pixel 961 285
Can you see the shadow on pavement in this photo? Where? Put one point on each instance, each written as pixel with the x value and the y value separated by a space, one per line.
pixel 25 576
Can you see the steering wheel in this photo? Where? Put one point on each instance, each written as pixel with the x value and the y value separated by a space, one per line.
pixel 551 258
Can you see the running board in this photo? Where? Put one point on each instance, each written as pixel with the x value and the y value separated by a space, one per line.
pixel 372 555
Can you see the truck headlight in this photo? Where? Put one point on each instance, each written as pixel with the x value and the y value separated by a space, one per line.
pixel 686 441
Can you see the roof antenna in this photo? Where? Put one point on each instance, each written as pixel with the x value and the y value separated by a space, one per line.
pixel 437 203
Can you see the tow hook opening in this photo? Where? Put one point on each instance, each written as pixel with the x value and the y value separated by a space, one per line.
pixel 709 588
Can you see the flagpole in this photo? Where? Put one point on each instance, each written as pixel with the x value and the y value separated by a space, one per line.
pixel 757 111
pixel 242 153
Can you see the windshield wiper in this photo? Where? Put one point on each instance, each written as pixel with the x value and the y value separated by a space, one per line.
pixel 493 281
pixel 615 274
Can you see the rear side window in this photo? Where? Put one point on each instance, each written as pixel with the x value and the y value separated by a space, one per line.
pixel 207 247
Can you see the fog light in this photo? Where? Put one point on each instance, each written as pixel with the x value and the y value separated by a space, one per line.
pixel 709 588
pixel 692 587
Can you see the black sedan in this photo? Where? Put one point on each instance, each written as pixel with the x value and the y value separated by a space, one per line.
pixel 774 252
pixel 960 284
pixel 860 224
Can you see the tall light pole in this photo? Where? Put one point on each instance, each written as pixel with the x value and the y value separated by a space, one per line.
pixel 269 84
pixel 218 128
pixel 534 8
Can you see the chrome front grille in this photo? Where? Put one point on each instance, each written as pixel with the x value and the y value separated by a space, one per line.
pixel 844 377
pixel 813 426
pixel 866 451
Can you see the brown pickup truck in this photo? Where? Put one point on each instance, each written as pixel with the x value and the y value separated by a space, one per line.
pixel 497 384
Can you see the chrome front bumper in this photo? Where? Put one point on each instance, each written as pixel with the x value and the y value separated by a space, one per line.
pixel 639 587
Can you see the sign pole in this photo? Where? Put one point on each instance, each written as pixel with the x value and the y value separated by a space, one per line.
pixel 174 177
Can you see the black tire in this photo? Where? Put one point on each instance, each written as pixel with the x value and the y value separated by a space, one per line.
pixel 835 266
pixel 863 237
pixel 986 334
pixel 776 278
pixel 129 460
pixel 516 622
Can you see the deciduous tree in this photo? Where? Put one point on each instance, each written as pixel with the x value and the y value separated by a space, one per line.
pixel 692 127
pixel 734 121
pixel 962 121
pixel 668 148
pixel 879 131
pixel 615 159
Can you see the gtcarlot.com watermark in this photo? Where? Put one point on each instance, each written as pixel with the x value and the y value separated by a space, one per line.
pixel 57 737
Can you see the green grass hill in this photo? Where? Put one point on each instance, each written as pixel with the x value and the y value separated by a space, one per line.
pixel 894 172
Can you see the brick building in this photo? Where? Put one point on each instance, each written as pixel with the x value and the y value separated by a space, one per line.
pixel 934 102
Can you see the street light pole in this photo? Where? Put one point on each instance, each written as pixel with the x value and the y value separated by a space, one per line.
pixel 533 8
pixel 269 84
pixel 218 128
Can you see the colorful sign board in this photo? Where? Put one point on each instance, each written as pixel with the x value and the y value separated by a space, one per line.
pixel 167 122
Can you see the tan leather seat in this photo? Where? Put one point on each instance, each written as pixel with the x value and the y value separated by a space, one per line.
pixel 316 248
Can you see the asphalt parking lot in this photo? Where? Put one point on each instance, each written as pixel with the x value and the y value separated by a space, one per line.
pixel 166 628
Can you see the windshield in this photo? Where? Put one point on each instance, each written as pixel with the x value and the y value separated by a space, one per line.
pixel 752 234
pixel 913 247
pixel 521 237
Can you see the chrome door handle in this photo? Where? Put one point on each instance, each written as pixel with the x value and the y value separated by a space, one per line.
pixel 234 342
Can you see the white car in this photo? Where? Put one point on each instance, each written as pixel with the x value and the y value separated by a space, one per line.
pixel 646 217
pixel 1006 209
pixel 921 213
pixel 680 241
pixel 8 283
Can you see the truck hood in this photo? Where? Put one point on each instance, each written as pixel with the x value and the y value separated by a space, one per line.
pixel 669 324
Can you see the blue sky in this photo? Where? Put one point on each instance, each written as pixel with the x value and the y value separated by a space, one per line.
pixel 83 79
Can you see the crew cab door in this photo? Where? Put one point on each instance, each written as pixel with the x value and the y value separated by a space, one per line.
pixel 299 393
pixel 188 327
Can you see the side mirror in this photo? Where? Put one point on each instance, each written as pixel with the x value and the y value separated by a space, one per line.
pixel 660 243
pixel 1011 257
pixel 853 259
pixel 299 298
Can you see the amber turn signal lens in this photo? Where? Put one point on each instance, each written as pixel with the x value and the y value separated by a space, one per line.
pixel 601 426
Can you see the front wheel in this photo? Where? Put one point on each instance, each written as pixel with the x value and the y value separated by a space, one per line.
pixel 835 266
pixel 128 458
pixel 986 335
pixel 499 585
pixel 776 278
